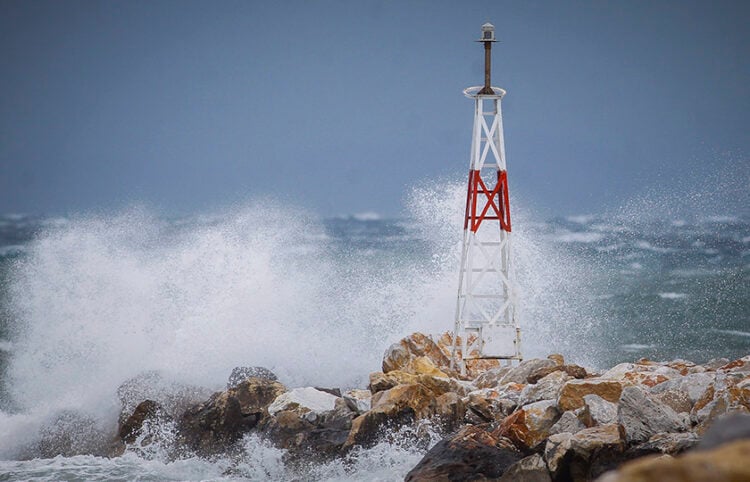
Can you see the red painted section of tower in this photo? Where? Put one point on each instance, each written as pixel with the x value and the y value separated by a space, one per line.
pixel 497 199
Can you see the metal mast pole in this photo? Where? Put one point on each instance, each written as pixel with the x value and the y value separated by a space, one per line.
pixel 486 320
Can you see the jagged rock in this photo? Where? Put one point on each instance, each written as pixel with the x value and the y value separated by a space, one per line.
pixel 727 463
pixel 586 454
pixel 307 401
pixel 717 401
pixel 240 374
pixel 521 373
pixel 568 423
pixel 572 393
pixel 665 443
pixel 574 371
pixel 693 385
pixel 210 427
pixel 528 426
pixel 420 353
pixel 174 397
pixel 683 366
pixel 486 406
pixel 643 417
pixel 715 363
pixel 529 469
pixel 547 388
pixel 677 400
pixel 471 454
pixel 598 411
pixel 491 378
pixel 303 436
pixel 358 400
pixel 740 365
pixel 400 405
pixel 380 381
pixel 728 428
pixel 644 373
pixel 450 410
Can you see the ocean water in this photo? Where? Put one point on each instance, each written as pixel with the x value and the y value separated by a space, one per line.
pixel 89 301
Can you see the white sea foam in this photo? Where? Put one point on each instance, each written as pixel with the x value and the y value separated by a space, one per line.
pixel 672 296
pixel 732 332
pixel 645 245
pixel 581 218
pixel 636 347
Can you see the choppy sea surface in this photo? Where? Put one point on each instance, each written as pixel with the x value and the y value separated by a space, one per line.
pixel 89 301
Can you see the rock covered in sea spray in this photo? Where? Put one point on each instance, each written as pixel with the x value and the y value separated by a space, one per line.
pixel 575 423
pixel 240 374
pixel 210 427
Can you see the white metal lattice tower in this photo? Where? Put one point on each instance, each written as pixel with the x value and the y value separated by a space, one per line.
pixel 486 320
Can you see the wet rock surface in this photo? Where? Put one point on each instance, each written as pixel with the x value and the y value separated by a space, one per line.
pixel 541 420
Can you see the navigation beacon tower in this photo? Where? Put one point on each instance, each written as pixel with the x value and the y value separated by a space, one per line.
pixel 485 309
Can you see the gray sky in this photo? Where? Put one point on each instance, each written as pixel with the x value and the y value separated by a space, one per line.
pixel 342 106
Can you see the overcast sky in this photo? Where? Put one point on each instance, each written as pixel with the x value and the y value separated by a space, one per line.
pixel 342 106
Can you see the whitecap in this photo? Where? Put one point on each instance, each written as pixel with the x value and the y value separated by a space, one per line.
pixel 672 296
pixel 731 332
pixel 633 347
pixel 581 218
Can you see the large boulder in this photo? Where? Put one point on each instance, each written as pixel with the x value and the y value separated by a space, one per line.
pixel 573 371
pixel 693 385
pixel 731 427
pixel 726 463
pixel 572 393
pixel 400 355
pixel 597 411
pixel 530 469
pixel 471 454
pixel 210 427
pixel 586 454
pixel 307 433
pixel 529 426
pixel 307 401
pixel 643 417
pixel 567 423
pixel 397 406
pixel 547 388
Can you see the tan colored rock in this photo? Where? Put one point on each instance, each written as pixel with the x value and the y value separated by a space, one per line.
pixel 572 393
pixel 557 358
pixel 573 371
pixel 520 373
pixel 727 463
pixel 380 381
pixel 399 355
pixel 529 426
pixel 424 366
pixel 400 405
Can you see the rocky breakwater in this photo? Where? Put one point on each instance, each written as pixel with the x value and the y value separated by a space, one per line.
pixel 541 420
